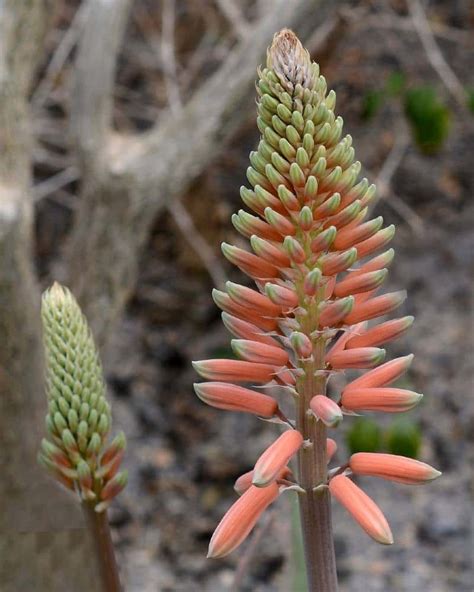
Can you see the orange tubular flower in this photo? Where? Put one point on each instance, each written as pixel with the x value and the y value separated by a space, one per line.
pixel 390 400
pixel 326 410
pixel 392 467
pixel 380 334
pixel 236 398
pixel 245 481
pixel 275 457
pixel 240 519
pixel 331 447
pixel 316 262
pixel 361 508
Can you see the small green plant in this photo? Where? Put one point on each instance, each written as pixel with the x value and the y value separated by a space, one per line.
pixel 429 118
pixel 365 435
pixel 371 103
pixel 470 100
pixel 395 84
pixel 404 437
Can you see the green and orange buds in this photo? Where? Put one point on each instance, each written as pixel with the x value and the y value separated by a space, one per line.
pixel 315 263
pixel 78 421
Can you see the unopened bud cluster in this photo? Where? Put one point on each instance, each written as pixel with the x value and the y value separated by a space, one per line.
pixel 317 265
pixel 78 421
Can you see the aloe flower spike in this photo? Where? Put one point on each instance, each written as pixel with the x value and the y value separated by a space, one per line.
pixel 318 262
pixel 76 450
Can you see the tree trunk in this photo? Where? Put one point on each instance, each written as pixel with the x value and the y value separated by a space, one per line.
pixel 42 540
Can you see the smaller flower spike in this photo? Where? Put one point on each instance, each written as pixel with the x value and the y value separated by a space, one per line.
pixel 240 519
pixel 79 419
pixel 275 457
pixel 361 508
pixel 392 467
pixel 231 397
pixel 326 410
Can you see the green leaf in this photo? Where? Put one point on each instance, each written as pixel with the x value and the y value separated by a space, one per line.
pixel 371 103
pixel 395 84
pixel 470 100
pixel 364 436
pixel 429 118
pixel 404 437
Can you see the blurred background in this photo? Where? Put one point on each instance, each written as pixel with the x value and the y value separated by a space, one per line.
pixel 125 129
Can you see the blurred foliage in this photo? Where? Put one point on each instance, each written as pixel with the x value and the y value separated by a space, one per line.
pixel 404 437
pixel 429 118
pixel 395 84
pixel 225 352
pixel 470 100
pixel 364 436
pixel 371 103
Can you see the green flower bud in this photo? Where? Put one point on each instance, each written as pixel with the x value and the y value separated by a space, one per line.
pixel 79 416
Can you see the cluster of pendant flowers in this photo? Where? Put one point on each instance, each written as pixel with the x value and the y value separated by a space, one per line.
pixel 318 264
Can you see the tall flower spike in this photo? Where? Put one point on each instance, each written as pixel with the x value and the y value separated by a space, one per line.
pixel 318 264
pixel 78 420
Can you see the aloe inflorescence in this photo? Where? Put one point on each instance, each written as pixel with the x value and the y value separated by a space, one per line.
pixel 76 450
pixel 318 264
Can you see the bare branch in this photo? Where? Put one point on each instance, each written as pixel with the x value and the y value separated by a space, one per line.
pixel 392 162
pixel 233 14
pixel 94 81
pixel 384 188
pixel 60 56
pixel 364 20
pixel 185 223
pixel 433 52
pixel 168 56
pixel 245 561
pixel 55 182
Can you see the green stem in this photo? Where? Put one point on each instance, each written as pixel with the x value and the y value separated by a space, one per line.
pixel 100 530
pixel 315 506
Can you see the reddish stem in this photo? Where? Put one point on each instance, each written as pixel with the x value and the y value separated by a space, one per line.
pixel 100 531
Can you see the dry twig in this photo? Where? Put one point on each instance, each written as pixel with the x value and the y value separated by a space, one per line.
pixel 168 56
pixel 60 56
pixel 249 554
pixel 383 182
pixel 434 55
pixel 55 182
pixel 185 223
pixel 233 14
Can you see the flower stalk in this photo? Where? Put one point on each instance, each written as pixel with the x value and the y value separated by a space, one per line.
pixel 317 267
